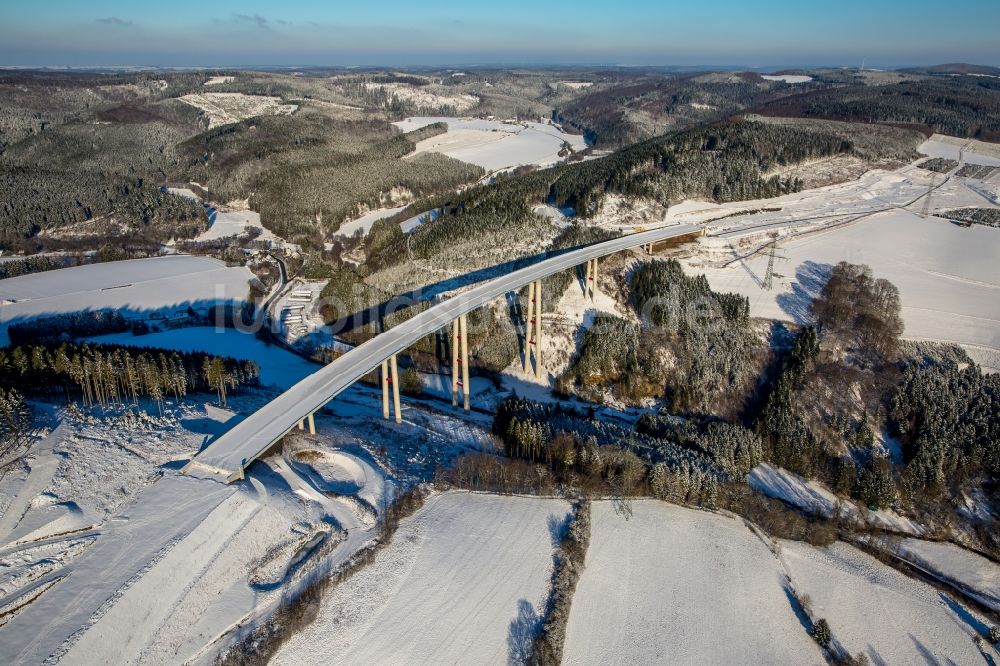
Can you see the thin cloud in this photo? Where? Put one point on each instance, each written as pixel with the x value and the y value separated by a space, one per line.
pixel 257 19
pixel 114 20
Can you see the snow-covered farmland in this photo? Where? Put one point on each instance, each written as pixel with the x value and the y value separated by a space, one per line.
pixel 874 609
pixel 224 108
pixel 493 144
pixel 680 586
pixel 463 581
pixel 134 287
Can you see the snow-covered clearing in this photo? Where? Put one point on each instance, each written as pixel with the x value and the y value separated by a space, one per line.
pixel 971 151
pixel 787 78
pixel 967 569
pixel 365 222
pixel 874 609
pixel 135 287
pixel 680 586
pixel 233 222
pixel 216 80
pixel 224 108
pixel 493 144
pixel 813 497
pixel 185 192
pixel 278 367
pixel 463 581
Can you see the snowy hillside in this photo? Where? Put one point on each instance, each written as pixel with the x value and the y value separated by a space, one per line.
pixel 675 585
pixel 463 581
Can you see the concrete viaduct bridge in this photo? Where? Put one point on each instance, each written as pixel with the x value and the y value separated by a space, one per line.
pixel 238 448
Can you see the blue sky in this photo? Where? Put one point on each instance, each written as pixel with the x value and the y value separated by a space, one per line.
pixel 387 32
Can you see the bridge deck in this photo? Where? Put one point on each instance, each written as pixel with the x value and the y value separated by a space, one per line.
pixel 247 440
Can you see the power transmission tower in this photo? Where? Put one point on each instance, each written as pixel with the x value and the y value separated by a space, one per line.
pixel 769 276
pixel 927 197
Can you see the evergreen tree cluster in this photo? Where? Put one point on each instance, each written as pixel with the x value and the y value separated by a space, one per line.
pixel 70 325
pixel 938 165
pixel 611 356
pixel 15 423
pixel 28 265
pixel 788 440
pixel 948 419
pixel 709 334
pixel 601 455
pixel 735 449
pixel 111 374
pixel 988 217
pixel 308 173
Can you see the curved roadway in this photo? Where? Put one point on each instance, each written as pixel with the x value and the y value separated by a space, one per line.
pixel 236 449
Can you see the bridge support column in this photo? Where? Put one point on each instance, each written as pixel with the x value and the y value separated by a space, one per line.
pixel 463 333
pixel 538 329
pixel 395 388
pixel 302 425
pixel 456 334
pixel 590 284
pixel 312 425
pixel 529 327
pixel 385 390
pixel 533 328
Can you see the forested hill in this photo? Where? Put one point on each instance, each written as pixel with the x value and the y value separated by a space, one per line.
pixel 960 106
pixel 728 161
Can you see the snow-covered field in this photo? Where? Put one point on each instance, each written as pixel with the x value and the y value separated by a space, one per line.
pixel 948 276
pixel 969 570
pixel 973 152
pixel 874 609
pixel 365 222
pixel 787 78
pixel 278 367
pixel 132 287
pixel 813 497
pixel 233 222
pixel 495 145
pixel 463 581
pixel 224 108
pixel 680 586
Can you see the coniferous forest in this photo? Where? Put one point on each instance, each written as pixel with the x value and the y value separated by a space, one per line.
pixel 100 374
